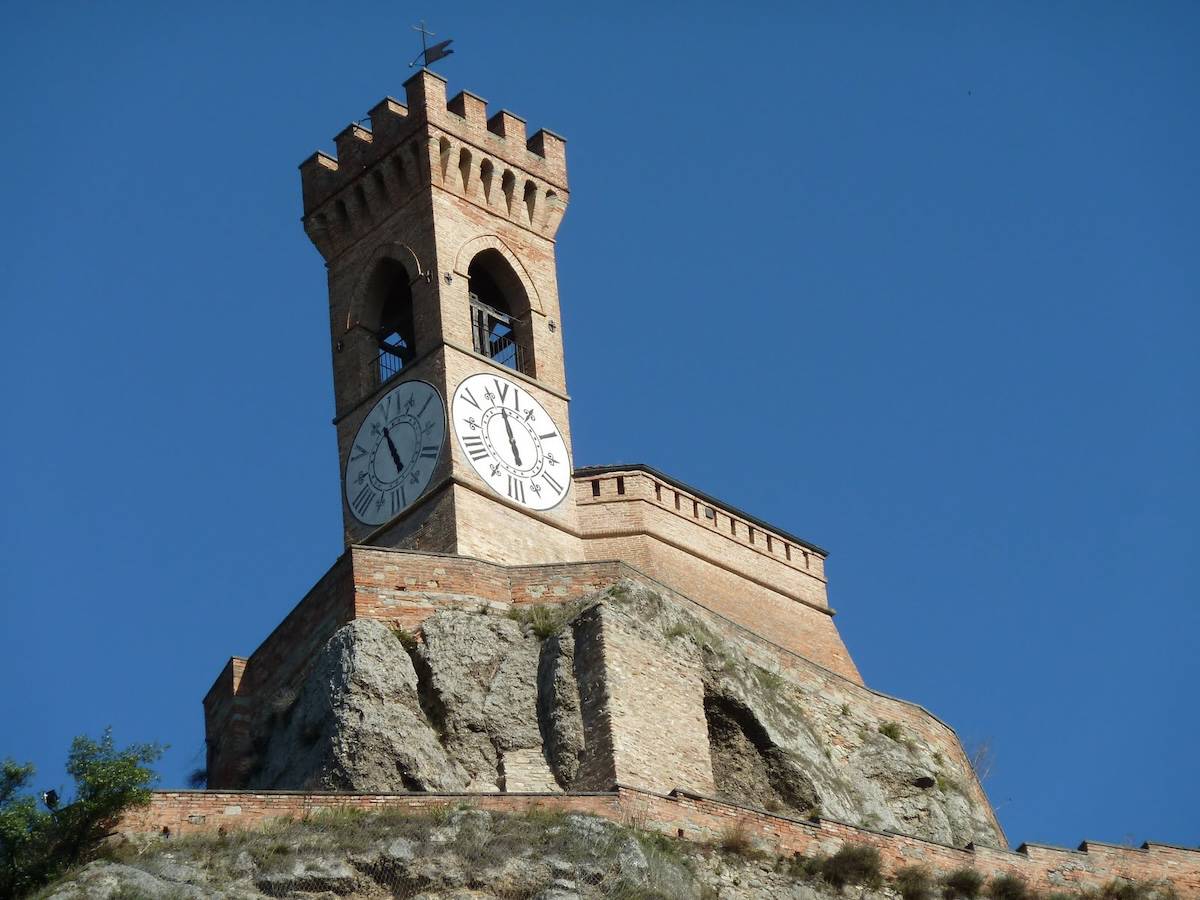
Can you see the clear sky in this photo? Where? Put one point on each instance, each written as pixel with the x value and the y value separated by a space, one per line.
pixel 915 281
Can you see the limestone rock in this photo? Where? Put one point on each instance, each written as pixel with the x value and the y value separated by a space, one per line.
pixel 357 723
pixel 558 706
pixel 104 880
pixel 482 673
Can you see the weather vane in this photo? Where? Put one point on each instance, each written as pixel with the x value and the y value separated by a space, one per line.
pixel 430 54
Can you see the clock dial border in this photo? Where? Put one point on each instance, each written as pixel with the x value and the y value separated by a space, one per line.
pixel 495 421
pixel 393 495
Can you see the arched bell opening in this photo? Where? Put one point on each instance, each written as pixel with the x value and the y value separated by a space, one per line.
pixel 500 322
pixel 388 315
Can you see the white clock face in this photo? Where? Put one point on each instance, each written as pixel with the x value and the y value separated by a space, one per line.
pixel 511 441
pixel 395 452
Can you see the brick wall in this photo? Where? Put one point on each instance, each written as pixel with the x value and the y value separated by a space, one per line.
pixel 243 690
pixel 700 819
pixel 656 705
pixel 753 575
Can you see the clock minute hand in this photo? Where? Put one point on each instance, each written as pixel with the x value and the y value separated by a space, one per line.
pixel 392 450
pixel 512 441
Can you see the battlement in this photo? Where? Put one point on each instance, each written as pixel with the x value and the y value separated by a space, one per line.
pixel 429 139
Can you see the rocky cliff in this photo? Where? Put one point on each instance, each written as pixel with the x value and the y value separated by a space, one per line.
pixel 525 701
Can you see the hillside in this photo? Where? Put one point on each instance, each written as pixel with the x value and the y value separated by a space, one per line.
pixel 466 853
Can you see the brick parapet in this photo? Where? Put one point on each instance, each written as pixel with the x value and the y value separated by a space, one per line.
pixel 680 502
pixel 699 819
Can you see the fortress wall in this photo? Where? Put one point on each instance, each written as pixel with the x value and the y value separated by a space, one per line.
pixel 618 500
pixel 406 587
pixel 656 706
pixel 700 819
pixel 792 625
pixel 757 577
pixel 836 692
pixel 246 687
pixel 431 582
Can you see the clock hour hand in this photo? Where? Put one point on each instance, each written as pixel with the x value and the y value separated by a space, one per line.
pixel 392 450
pixel 512 441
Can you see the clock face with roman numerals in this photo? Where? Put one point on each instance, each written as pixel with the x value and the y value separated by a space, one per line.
pixel 511 441
pixel 395 452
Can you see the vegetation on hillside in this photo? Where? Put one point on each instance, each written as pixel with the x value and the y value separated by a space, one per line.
pixel 41 840
pixel 449 850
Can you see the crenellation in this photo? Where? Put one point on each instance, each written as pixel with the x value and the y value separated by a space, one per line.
pixel 466 150
pixel 388 117
pixel 470 107
pixel 353 145
pixel 318 178
pixel 550 146
pixel 507 125
pixel 426 93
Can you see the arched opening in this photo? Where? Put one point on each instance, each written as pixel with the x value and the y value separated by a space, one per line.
pixel 500 325
pixel 389 316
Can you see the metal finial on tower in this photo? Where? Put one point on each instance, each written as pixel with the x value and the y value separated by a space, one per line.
pixel 430 54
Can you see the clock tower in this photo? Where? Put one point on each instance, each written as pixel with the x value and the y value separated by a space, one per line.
pixel 459 485
pixel 437 227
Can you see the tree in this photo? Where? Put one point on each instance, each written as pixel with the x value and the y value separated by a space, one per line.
pixel 35 846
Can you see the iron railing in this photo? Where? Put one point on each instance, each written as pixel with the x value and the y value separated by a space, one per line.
pixel 493 336
pixel 388 365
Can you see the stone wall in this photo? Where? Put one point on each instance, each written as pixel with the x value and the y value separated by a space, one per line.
pixel 702 819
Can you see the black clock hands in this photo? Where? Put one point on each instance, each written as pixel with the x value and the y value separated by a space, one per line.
pixel 512 441
pixel 392 450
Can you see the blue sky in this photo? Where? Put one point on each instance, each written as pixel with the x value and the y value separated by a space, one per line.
pixel 917 282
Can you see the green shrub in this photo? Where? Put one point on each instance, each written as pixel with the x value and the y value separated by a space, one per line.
pixel 1008 887
pixel 807 867
pixel 407 639
pixel 736 839
pixel 36 846
pixel 962 884
pixel 544 620
pixel 891 730
pixel 914 883
pixel 1136 890
pixel 853 864
pixel 946 784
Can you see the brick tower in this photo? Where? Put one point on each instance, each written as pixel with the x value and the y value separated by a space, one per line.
pixel 437 228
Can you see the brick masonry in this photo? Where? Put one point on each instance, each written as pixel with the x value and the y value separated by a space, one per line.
pixel 700 819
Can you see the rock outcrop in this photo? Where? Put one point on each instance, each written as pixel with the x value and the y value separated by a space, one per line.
pixel 356 724
pixel 480 701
